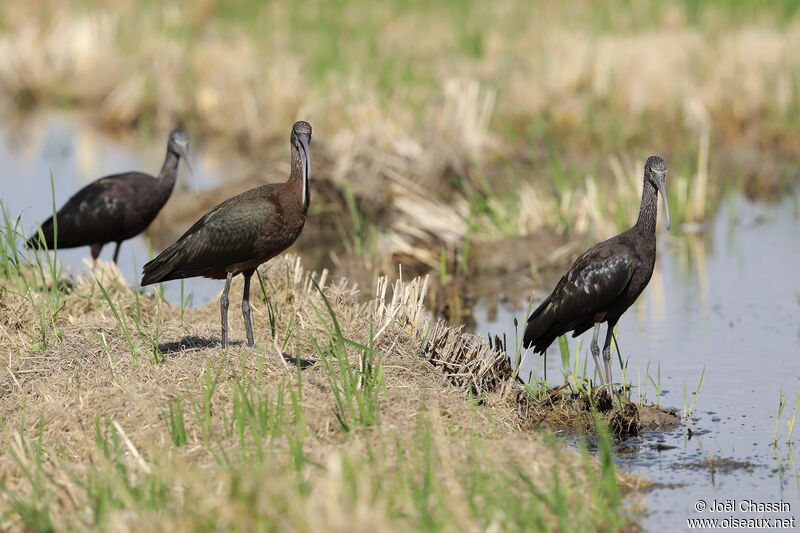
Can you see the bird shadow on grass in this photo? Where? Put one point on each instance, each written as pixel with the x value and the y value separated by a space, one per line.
pixel 192 342
pixel 298 361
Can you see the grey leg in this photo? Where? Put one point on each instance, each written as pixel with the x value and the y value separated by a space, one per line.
pixel 223 309
pixel 116 251
pixel 596 353
pixel 607 349
pixel 248 325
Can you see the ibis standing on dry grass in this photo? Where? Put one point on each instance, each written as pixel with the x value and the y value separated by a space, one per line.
pixel 605 280
pixel 114 208
pixel 242 232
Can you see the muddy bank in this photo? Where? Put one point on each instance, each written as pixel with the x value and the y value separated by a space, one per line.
pixel 484 371
pixel 559 408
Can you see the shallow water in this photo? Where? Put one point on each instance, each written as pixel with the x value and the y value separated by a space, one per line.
pixel 77 153
pixel 729 301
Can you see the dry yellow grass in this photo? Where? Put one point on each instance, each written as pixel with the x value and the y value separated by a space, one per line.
pixel 534 60
pixel 86 428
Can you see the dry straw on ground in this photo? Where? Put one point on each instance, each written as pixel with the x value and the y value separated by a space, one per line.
pixel 88 385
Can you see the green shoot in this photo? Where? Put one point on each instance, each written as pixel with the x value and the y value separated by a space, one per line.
pixel 122 323
pixel 687 412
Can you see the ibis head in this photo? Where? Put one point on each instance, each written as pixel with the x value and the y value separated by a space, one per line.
pixel 179 145
pixel 655 171
pixel 301 138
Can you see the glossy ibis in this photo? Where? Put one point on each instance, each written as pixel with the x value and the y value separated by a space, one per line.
pixel 114 208
pixel 242 232
pixel 605 280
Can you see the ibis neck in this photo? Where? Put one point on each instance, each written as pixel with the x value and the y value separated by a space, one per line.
pixel 169 170
pixel 648 211
pixel 298 178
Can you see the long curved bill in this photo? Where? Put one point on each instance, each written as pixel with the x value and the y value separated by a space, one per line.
pixel 305 157
pixel 662 190
pixel 185 156
pixel 305 154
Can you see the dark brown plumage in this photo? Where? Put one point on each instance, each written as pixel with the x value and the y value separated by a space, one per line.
pixel 114 208
pixel 242 232
pixel 605 280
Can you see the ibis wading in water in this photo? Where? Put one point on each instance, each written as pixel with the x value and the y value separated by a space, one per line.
pixel 114 208
pixel 242 232
pixel 605 280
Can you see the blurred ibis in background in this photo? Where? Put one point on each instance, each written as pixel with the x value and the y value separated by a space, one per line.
pixel 114 208
pixel 605 280
pixel 242 232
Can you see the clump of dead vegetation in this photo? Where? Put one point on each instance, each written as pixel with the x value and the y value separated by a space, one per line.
pixel 485 371
pixel 346 414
